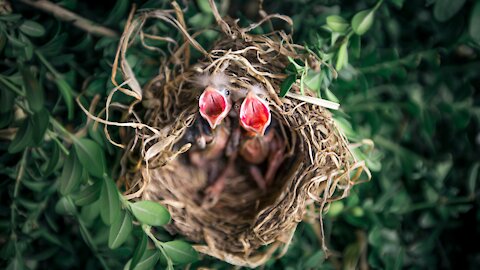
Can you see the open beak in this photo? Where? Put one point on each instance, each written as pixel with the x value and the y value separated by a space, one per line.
pixel 214 106
pixel 255 115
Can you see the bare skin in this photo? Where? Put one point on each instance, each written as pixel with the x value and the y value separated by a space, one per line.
pixel 259 149
pixel 212 193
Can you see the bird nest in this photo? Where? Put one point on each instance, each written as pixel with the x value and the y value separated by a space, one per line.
pixel 246 224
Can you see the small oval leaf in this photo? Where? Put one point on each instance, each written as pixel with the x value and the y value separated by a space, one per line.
pixel 22 139
pixel 39 122
pixel 362 21
pixel 34 91
pixel 120 231
pixel 67 93
pixel 91 156
pixel 139 251
pixel 474 26
pixel 71 175
pixel 313 80
pixel 88 195
pixel 337 23
pixel 342 57
pixel 150 213
pixel 53 160
pixel 180 252
pixel 65 206
pixel 32 28
pixel 111 208
pixel 287 84
pixel 149 259
pixel 446 9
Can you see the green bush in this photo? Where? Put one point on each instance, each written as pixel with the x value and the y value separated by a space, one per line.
pixel 408 81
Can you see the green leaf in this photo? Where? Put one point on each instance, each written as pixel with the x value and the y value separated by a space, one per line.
pixel 150 213
pixel 3 40
pixel 474 27
pixel 86 235
pixel 15 42
pixel 71 175
pixel 91 211
pixel 355 46
pixel 291 69
pixel 472 178
pixel 204 6
pixel 313 80
pixel 55 45
pixel 287 84
pixel 315 260
pixel 180 252
pixel 34 185
pixel 8 249
pixel 65 206
pixel 22 139
pixel 34 91
pixel 28 48
pixel 446 9
pixel 67 93
pixel 337 23
pixel 120 231
pixel 118 12
pixel 342 57
pixel 88 195
pixel 398 3
pixel 148 260
pixel 32 28
pixel 10 17
pixel 298 68
pixel 335 209
pixel 111 208
pixel 139 251
pixel 53 159
pixel 6 98
pixel 39 122
pixel 17 263
pixel 362 21
pixel 91 156
pixel 330 96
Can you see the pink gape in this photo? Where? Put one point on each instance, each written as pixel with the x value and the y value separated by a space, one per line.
pixel 214 106
pixel 255 115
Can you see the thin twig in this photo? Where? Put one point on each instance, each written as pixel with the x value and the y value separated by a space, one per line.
pixel 66 15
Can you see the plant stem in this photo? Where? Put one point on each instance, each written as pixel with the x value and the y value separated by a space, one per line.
pixel 60 128
pixel 88 239
pixel 11 86
pixel 13 206
pixel 66 15
pixel 54 135
pixel 147 230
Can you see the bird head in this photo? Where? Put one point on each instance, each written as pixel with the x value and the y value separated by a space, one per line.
pixel 215 101
pixel 255 115
pixel 214 105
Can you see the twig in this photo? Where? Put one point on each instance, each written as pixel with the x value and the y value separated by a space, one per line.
pixel 66 15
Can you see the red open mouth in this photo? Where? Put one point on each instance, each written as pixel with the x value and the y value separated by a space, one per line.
pixel 213 106
pixel 254 114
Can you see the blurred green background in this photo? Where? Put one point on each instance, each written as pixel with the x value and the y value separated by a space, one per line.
pixel 410 84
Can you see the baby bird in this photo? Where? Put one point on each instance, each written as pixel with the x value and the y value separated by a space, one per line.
pixel 259 145
pixel 215 101
pixel 214 105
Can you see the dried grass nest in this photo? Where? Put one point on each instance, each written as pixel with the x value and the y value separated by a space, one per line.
pixel 246 226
